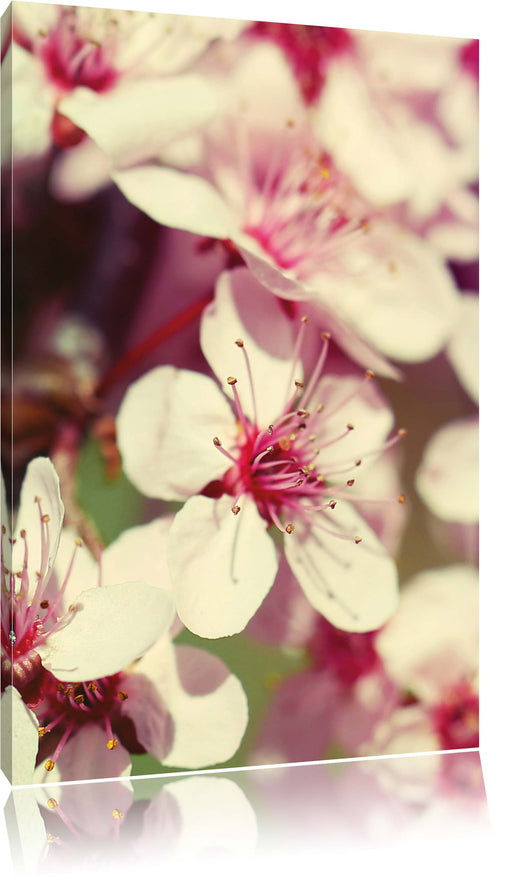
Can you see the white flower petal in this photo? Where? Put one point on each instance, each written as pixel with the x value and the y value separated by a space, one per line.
pixel 176 199
pixel 367 412
pixel 355 586
pixel 222 564
pixel 33 101
pixel 432 640
pixel 111 627
pixel 447 479
pixel 20 739
pixel 206 702
pixel 137 119
pixel 400 298
pixel 86 756
pixel 165 430
pixel 139 553
pixel 82 574
pixel 79 173
pixel 243 309
pixel 463 347
pixel 42 522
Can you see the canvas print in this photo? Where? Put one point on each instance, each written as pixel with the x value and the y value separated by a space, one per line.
pixel 239 393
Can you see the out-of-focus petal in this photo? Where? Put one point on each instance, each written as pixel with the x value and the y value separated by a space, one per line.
pixel 165 430
pixel 177 199
pixel 401 298
pixel 111 627
pixel 447 479
pixel 166 108
pixel 355 586
pixel 79 173
pixel 221 564
pixel 242 309
pixel 432 640
pixel 463 347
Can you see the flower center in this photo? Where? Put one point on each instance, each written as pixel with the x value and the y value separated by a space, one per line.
pixel 300 209
pixel 277 465
pixel 76 52
pixel 68 706
pixel 456 718
pixel 308 48
pixel 347 655
pixel 30 614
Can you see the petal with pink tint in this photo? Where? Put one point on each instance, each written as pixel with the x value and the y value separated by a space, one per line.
pixel 286 617
pixel 399 297
pixel 86 756
pixel 146 708
pixel 20 738
pixel 166 108
pixel 75 566
pixel 42 521
pixel 297 727
pixel 221 564
pixel 109 629
pixel 242 309
pixel 79 173
pixel 165 430
pixel 345 402
pixel 354 585
pixel 432 640
pixel 176 199
pixel 206 702
pixel 463 347
pixel 447 479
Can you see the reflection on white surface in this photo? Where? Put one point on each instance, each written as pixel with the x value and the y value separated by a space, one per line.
pixel 250 813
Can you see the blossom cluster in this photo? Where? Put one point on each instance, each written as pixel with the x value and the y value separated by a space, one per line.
pixel 241 431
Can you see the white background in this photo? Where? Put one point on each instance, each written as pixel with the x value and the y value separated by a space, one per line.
pixel 486 21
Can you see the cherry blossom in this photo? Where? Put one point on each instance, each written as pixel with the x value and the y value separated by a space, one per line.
pixel 430 650
pixel 280 454
pixel 79 69
pixel 267 183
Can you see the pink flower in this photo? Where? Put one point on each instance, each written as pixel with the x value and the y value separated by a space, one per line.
pixel 55 616
pixel 265 181
pixel 83 70
pixel 278 453
pixel 103 678
pixel 430 650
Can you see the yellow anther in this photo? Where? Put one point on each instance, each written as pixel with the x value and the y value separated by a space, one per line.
pixel 350 482
pixel 401 498
pixel 235 510
pixel 290 528
pixel 78 542
pixel 299 384
pixel 232 381
pixel 402 432
pixel 111 744
pixel 332 504
pixel 217 441
pixel 45 518
pixel 117 814
pixel 80 699
pixel 320 408
pixel 122 695
pixel 239 342
pixel 369 373
pixel 325 335
pixel 325 173
pixel 350 426
pixel 52 803
pixel 49 765
pixel 358 540
pixel 305 319
pixel 44 604
pixel 41 731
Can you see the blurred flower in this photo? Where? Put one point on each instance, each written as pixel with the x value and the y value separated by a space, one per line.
pixel 430 650
pixel 288 448
pixel 77 70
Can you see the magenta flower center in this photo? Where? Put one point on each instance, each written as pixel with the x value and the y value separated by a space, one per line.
pixel 308 48
pixel 455 719
pixel 346 655
pixel 72 58
pixel 278 465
